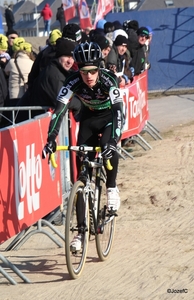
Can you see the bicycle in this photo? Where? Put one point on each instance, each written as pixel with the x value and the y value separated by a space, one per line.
pixel 97 220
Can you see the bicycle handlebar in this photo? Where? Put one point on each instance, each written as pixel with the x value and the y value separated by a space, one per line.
pixel 78 148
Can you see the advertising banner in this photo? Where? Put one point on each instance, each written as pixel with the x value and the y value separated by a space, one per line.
pixel 135 106
pixel 30 188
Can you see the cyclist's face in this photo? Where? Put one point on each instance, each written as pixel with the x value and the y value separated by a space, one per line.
pixel 89 75
pixel 66 62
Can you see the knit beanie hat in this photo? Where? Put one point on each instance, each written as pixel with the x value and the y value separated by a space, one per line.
pixel 108 27
pixel 101 23
pixel 131 24
pixel 54 35
pixel 121 40
pixel 17 43
pixel 26 47
pixel 117 25
pixel 143 30
pixel 119 32
pixel 3 42
pixel 72 32
pixel 65 47
pixel 101 41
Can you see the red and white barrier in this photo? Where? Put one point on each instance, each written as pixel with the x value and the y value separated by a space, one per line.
pixel 30 187
pixel 135 106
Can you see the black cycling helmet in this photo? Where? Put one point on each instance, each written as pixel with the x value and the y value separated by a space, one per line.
pixel 87 54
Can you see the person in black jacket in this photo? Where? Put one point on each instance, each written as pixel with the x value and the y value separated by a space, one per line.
pixel 138 53
pixel 9 17
pixel 47 85
pixel 60 17
pixel 44 57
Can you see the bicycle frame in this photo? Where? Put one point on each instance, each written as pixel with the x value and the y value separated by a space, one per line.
pixel 96 220
pixel 92 195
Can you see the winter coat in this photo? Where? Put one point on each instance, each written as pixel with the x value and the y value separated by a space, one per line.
pixel 138 59
pixel 42 60
pixel 16 84
pixel 46 13
pixel 45 90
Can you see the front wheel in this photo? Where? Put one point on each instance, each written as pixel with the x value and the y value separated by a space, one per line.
pixel 106 228
pixel 76 259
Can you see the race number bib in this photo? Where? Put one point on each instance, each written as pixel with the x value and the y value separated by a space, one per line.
pixel 116 95
pixel 64 95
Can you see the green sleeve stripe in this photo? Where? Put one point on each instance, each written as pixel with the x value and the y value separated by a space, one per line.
pixel 57 118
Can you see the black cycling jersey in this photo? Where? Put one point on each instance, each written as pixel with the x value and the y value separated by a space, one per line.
pixel 105 95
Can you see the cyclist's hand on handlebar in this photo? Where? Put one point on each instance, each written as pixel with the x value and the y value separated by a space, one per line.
pixel 49 148
pixel 109 150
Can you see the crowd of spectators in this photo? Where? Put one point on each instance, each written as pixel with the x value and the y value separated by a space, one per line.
pixel 34 79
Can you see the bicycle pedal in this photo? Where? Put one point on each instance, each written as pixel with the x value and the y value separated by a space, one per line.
pixel 112 213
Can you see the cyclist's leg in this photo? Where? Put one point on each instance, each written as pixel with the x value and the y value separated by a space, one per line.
pixel 113 198
pixel 111 174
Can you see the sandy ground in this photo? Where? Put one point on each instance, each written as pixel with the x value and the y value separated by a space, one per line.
pixel 153 251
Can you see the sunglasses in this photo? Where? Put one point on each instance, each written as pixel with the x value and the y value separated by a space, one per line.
pixel 91 71
pixel 145 36
pixel 12 37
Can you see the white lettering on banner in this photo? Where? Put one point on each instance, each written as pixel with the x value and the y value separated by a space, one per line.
pixel 136 106
pixel 27 177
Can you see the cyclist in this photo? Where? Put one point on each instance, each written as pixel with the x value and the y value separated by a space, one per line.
pixel 102 113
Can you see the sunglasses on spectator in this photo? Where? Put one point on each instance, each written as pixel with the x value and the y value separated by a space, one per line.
pixel 91 71
pixel 145 36
pixel 12 37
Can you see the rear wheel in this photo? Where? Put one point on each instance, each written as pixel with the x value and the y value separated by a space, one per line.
pixel 106 227
pixel 76 259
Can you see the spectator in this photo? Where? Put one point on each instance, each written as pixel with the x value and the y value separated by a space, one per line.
pixel 131 28
pixel 117 25
pixel 11 35
pixel 45 56
pixel 87 31
pixel 108 30
pixel 47 85
pixel 70 31
pixel 138 54
pixel 118 59
pixel 3 44
pixel 100 26
pixel 105 47
pixel 47 14
pixel 4 57
pixel 60 17
pixel 9 17
pixel 147 47
pixel 73 32
pixel 18 69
